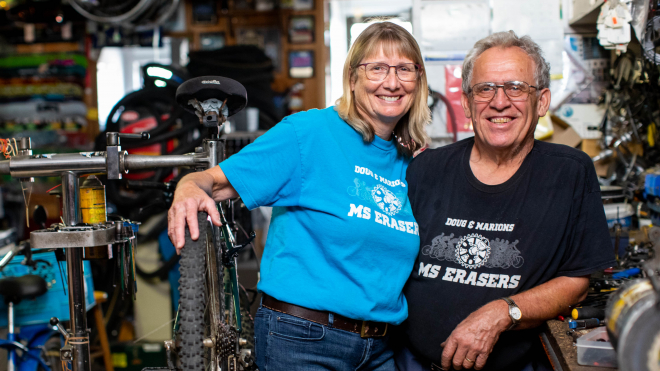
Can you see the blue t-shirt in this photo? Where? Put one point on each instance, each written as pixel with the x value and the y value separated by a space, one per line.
pixel 342 236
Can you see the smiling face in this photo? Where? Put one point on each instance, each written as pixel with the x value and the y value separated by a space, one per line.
pixel 383 103
pixel 503 125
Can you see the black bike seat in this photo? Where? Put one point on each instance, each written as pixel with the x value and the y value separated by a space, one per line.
pixel 15 289
pixel 207 87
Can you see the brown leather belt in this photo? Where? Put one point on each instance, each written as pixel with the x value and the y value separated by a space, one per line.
pixel 366 329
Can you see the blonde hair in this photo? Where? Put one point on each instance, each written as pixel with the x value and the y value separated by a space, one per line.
pixel 393 39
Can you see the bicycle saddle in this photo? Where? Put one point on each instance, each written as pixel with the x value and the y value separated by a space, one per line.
pixel 208 87
pixel 15 289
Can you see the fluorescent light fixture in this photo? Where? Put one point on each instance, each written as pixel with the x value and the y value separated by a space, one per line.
pixel 159 72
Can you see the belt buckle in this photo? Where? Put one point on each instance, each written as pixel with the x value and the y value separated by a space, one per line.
pixel 365 329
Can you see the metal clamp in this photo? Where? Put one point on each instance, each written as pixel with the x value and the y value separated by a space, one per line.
pixel 70 237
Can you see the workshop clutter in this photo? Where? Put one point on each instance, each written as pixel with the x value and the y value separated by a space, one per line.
pixel 41 95
pixel 595 349
pixel 55 302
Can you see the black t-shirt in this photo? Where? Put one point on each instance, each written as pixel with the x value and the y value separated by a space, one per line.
pixel 482 242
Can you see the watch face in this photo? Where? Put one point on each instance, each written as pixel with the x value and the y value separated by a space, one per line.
pixel 516 313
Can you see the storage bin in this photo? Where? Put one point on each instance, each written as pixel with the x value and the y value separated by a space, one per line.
pixel 595 349
pixel 619 212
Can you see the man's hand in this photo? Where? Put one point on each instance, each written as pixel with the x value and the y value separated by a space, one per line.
pixel 471 342
pixel 473 339
pixel 188 200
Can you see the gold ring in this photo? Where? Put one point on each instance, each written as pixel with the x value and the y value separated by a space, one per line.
pixel 469 360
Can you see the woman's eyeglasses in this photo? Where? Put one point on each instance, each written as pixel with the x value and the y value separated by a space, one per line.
pixel 379 71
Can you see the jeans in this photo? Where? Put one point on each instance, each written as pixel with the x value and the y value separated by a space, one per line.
pixel 287 343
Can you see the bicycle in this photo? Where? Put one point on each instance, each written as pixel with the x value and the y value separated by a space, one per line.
pixel 208 331
pixel 206 293
pixel 33 347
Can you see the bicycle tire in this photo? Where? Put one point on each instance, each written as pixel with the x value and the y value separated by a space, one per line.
pixel 192 298
pixel 201 310
pixel 51 353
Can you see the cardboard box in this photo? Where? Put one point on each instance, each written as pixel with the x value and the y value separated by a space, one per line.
pixel 563 133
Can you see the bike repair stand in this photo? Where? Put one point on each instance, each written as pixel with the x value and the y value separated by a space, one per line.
pixel 73 238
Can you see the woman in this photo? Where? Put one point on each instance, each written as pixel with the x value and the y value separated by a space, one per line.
pixel 342 239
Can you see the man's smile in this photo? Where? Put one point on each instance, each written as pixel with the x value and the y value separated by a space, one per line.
pixel 500 120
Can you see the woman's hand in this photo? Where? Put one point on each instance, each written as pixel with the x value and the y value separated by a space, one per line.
pixel 192 196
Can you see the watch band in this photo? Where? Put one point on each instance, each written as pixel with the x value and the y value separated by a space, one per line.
pixel 512 306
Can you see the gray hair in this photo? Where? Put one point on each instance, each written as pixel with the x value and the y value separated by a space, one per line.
pixel 508 39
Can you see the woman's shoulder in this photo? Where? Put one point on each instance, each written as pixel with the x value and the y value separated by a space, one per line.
pixel 316 123
pixel 312 117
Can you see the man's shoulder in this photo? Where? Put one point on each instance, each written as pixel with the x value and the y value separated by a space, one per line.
pixel 563 154
pixel 441 155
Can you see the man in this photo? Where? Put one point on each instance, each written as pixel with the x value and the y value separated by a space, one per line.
pixel 510 228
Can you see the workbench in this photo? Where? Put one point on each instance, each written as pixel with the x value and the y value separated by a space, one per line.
pixel 561 350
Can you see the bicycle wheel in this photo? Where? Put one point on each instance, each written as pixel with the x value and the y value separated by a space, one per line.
pixel 51 354
pixel 201 331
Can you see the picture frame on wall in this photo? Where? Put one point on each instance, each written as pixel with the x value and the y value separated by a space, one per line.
pixel 301 29
pixel 204 12
pixel 303 4
pixel 301 64
pixel 212 40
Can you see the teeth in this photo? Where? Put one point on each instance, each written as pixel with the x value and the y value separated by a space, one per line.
pixel 388 99
pixel 502 120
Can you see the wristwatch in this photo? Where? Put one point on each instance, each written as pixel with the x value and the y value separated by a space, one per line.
pixel 514 312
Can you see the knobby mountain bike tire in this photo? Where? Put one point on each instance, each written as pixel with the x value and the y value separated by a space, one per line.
pixel 207 307
pixel 201 312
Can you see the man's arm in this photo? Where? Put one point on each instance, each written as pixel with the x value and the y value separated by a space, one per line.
pixel 473 339
pixel 191 196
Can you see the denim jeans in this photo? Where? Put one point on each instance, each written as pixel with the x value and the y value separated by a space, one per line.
pixel 287 343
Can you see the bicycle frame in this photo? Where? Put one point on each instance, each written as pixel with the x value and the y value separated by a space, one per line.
pixel 229 261
pixel 36 336
pixel 226 251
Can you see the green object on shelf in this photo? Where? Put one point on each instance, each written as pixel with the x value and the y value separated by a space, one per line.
pixel 135 357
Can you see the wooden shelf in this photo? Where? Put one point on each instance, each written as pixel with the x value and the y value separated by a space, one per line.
pixel 233 19
pixel 587 16
pixel 55 47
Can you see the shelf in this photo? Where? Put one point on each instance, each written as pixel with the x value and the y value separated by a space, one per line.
pixel 55 47
pixel 231 20
pixel 587 16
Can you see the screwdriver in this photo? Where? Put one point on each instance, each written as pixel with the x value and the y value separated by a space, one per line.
pixel 588 312
pixel 584 323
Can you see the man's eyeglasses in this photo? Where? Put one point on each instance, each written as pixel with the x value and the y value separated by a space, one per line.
pixel 516 91
pixel 379 71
